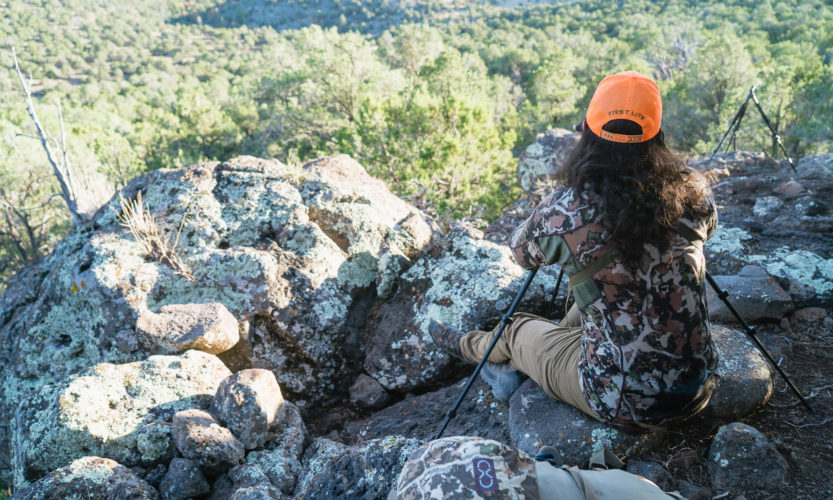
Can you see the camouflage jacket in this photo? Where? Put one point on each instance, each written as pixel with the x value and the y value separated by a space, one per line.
pixel 647 348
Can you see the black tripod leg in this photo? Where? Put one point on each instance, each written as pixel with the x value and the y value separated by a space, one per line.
pixel 505 321
pixel 724 296
pixel 775 136
pixel 735 123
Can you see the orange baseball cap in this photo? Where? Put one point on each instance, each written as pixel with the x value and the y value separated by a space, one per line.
pixel 626 96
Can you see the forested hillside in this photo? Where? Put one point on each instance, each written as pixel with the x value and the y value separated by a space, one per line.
pixel 435 97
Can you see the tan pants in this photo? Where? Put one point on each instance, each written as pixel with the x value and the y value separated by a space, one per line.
pixel 548 352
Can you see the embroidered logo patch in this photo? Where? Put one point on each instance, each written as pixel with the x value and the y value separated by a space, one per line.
pixel 484 474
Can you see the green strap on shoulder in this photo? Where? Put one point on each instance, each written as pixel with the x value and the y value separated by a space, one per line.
pixel 687 233
pixel 594 267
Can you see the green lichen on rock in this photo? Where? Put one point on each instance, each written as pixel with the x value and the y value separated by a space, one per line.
pixel 464 281
pixel 803 266
pixel 89 477
pixel 727 240
pixel 120 412
pixel 291 252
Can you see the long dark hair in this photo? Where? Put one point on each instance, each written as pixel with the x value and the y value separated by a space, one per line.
pixel 639 189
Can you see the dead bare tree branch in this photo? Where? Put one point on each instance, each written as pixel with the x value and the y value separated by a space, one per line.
pixel 60 166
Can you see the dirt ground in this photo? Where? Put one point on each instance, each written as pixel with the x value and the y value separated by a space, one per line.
pixel 804 439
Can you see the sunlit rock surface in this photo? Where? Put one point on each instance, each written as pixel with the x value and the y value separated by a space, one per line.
pixel 121 412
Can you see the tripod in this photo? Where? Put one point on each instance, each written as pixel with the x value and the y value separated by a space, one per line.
pixel 722 294
pixel 735 125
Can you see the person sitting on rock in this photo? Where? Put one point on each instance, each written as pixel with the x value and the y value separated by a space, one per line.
pixel 627 224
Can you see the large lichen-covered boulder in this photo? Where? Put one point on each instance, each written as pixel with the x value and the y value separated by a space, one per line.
pixel 296 254
pixel 464 281
pixel 89 477
pixel 368 471
pixel 122 412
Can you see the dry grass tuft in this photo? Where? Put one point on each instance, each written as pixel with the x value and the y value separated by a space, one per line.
pixel 137 218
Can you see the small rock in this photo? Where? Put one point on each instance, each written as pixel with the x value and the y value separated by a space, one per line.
pixel 247 475
pixel 753 293
pixel 810 314
pixel 281 460
pixel 766 205
pixel 209 328
pixel 89 477
pixel 683 459
pixel 333 470
pixel 828 323
pixel 368 394
pixel 816 208
pixel 249 403
pixel 256 493
pixel 535 419
pixel 153 475
pixel 790 189
pixel 199 437
pixel 250 483
pixel 744 378
pixel 652 471
pixel 692 491
pixel 183 480
pixel 785 324
pixel 222 488
pixel 741 458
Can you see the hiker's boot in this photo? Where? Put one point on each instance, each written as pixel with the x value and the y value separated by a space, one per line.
pixel 446 338
pixel 504 379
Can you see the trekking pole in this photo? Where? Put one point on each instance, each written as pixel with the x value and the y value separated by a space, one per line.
pixel 775 136
pixel 507 318
pixel 724 296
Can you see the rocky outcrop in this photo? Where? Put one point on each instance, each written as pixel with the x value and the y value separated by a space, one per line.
pixel 121 412
pixel 777 219
pixel 295 254
pixel 321 278
pixel 464 281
